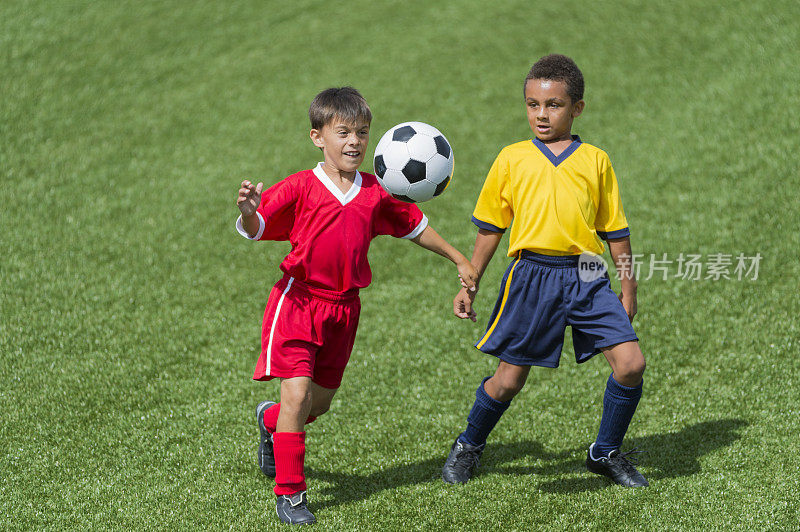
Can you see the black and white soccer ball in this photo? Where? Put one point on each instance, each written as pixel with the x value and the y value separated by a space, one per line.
pixel 413 162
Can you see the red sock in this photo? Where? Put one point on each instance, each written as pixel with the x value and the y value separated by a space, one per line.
pixel 271 417
pixel 290 453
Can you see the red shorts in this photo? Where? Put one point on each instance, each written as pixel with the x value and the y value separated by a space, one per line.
pixel 307 332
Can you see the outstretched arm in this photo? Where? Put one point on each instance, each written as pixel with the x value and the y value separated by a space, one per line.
pixel 430 239
pixel 485 245
pixel 248 201
pixel 622 256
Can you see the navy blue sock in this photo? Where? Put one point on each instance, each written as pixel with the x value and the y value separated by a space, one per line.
pixel 619 404
pixel 483 417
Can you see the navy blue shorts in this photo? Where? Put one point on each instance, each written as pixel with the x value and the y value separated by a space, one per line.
pixel 539 296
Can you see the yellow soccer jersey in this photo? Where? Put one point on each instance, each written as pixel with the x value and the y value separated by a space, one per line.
pixel 560 205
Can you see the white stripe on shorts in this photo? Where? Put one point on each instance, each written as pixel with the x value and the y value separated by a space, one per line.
pixel 274 321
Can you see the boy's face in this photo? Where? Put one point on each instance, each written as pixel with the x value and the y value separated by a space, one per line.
pixel 343 145
pixel 550 109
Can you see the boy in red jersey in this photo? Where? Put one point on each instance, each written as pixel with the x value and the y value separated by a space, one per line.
pixel 329 215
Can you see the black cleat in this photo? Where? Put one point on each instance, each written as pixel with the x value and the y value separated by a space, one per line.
pixel 292 509
pixel 461 461
pixel 616 467
pixel 266 456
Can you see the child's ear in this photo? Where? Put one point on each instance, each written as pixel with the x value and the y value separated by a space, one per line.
pixel 577 108
pixel 316 138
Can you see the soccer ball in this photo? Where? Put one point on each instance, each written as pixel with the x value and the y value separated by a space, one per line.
pixel 413 162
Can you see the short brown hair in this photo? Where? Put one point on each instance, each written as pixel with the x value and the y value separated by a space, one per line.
pixel 558 67
pixel 343 102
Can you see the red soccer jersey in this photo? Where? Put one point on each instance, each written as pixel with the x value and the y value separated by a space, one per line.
pixel 330 231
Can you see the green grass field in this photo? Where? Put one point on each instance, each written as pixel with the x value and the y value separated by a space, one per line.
pixel 130 308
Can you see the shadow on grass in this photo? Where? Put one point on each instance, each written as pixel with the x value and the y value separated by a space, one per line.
pixel 348 487
pixel 669 455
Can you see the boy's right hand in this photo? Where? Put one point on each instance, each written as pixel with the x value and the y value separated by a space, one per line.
pixel 249 198
pixel 462 304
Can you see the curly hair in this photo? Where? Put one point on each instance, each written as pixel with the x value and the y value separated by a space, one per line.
pixel 558 67
pixel 343 102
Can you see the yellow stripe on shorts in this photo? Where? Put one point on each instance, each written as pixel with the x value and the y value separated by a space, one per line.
pixel 502 306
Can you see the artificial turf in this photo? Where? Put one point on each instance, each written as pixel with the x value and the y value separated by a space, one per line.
pixel 131 309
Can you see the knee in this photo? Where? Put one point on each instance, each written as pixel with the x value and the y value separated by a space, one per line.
pixel 504 387
pixel 630 372
pixel 296 400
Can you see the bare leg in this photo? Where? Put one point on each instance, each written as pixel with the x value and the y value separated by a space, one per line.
pixel 506 382
pixel 627 363
pixel 295 404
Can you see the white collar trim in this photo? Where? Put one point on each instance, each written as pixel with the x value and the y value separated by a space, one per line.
pixel 343 198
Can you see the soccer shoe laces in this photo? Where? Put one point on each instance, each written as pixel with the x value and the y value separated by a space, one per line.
pixel 468 458
pixel 633 451
pixel 626 459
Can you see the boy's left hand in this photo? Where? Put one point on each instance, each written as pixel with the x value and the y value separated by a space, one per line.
pixel 468 276
pixel 628 300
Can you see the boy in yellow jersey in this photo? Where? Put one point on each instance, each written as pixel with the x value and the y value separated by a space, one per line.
pixel 563 197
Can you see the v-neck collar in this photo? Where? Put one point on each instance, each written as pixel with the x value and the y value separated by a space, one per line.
pixel 343 198
pixel 569 150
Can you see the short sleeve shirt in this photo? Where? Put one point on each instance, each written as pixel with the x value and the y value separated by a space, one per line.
pixel 563 205
pixel 329 230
